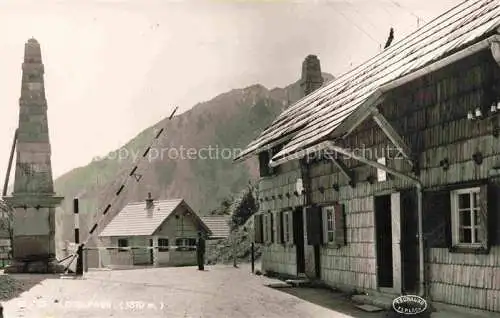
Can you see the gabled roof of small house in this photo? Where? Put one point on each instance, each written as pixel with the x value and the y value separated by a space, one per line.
pixel 218 224
pixel 135 220
pixel 318 115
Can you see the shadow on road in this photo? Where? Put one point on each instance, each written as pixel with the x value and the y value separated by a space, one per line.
pixel 330 300
pixel 12 286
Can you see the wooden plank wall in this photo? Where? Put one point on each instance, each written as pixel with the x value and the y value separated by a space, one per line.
pixel 354 264
pixel 270 189
pixel 276 257
pixel 431 116
pixel 465 279
pixel 279 258
pixel 430 113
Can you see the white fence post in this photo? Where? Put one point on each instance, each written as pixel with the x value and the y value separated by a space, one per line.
pixel 156 254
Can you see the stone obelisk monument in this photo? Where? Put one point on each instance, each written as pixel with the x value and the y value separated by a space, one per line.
pixel 33 199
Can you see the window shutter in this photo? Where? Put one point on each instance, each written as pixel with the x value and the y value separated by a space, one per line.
pixel 280 226
pixel 268 228
pixel 271 227
pixel 258 229
pixel 436 214
pixel 324 221
pixel 290 239
pixel 494 213
pixel 314 227
pixel 339 221
pixel 265 227
pixel 291 218
pixel 483 215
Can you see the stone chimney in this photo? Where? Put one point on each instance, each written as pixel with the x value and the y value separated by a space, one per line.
pixel 149 202
pixel 311 75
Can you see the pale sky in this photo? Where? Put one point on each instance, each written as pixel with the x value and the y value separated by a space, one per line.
pixel 114 68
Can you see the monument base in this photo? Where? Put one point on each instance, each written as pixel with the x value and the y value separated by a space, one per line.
pixel 49 266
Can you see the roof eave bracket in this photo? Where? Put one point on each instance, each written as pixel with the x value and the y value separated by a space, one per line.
pixel 349 174
pixel 331 146
pixel 392 134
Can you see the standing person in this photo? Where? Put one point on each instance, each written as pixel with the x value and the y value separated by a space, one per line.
pixel 200 252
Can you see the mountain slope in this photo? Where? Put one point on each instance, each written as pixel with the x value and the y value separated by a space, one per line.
pixel 193 160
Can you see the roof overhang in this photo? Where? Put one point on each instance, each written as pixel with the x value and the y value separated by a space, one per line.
pixel 367 108
pixel 252 152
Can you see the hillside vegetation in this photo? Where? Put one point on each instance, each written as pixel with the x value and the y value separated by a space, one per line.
pixel 228 121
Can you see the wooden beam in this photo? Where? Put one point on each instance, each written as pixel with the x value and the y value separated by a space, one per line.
pixel 332 146
pixel 349 174
pixel 391 133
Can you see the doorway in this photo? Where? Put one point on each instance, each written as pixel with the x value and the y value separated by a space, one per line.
pixel 409 242
pixel 383 233
pixel 298 238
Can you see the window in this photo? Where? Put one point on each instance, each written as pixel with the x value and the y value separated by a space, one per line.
pixel 185 244
pixel 264 158
pixel 286 226
pixel 268 228
pixel 265 169
pixel 334 230
pixel 121 244
pixel 467 227
pixel 163 245
pixel 329 224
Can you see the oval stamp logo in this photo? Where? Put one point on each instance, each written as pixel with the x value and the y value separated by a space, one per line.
pixel 409 305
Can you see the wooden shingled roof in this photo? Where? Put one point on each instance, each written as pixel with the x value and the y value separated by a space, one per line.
pixel 323 114
pixel 218 224
pixel 135 220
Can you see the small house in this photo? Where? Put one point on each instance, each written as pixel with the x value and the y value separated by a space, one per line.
pixel 152 232
pixel 386 180
pixel 218 225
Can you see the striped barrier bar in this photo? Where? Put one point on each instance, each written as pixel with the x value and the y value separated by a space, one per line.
pixel 129 248
pixel 132 175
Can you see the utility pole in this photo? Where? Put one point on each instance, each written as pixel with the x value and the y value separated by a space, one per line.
pixel 253 257
pixel 234 251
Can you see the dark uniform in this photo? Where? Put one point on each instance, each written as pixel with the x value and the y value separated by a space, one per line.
pixel 200 252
